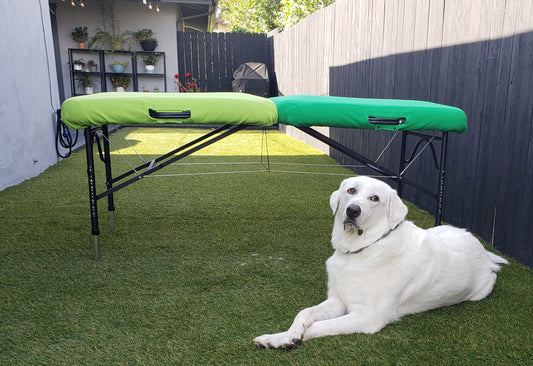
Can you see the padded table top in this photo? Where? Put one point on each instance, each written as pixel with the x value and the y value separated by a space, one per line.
pixel 134 108
pixel 241 108
pixel 361 113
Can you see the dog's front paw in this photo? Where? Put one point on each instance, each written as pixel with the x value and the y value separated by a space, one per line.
pixel 280 340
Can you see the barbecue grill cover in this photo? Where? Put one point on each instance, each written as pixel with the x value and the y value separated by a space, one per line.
pixel 251 78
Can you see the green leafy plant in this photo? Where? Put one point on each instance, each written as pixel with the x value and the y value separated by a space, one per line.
pixel 110 38
pixel 144 35
pixel 120 80
pixel 151 59
pixel 80 34
pixel 123 63
pixel 79 61
pixel 84 80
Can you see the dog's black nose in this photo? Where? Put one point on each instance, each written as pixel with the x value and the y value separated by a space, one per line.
pixel 353 211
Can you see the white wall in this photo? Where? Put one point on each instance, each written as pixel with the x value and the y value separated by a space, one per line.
pixel 132 16
pixel 28 91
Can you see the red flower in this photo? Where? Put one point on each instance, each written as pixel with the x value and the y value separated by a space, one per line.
pixel 191 85
pixel 176 76
pixel 183 89
pixel 188 75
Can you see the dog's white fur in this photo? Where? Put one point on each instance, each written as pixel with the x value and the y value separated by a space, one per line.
pixel 385 267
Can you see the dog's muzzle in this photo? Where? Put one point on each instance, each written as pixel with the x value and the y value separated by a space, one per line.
pixel 352 213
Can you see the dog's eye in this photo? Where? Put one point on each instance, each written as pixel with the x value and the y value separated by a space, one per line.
pixel 352 191
pixel 374 199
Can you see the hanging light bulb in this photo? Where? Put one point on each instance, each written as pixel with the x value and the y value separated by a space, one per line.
pixel 157 6
pixel 72 3
pixel 144 2
pixel 82 3
pixel 150 5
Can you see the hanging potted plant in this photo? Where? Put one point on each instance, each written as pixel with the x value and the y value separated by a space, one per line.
pixel 120 81
pixel 150 61
pixel 80 35
pixel 146 38
pixel 85 82
pixel 118 66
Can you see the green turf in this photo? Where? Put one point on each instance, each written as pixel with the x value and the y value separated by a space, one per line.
pixel 200 265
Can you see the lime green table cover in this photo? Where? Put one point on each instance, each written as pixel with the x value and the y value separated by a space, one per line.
pixel 312 110
pixel 133 108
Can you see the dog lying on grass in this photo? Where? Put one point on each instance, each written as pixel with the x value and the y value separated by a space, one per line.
pixel 385 267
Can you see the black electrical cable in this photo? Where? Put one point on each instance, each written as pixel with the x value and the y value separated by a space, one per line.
pixel 64 137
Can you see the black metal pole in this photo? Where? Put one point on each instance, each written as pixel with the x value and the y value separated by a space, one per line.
pixel 442 174
pixel 402 162
pixel 92 190
pixel 109 178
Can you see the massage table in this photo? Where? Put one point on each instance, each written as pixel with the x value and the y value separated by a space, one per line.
pixel 232 112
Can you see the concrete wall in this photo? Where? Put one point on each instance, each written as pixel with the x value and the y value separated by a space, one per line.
pixel 28 91
pixel 132 16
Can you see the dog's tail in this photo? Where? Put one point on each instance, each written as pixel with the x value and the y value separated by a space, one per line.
pixel 496 260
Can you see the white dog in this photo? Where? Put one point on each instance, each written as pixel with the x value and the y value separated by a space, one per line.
pixel 385 267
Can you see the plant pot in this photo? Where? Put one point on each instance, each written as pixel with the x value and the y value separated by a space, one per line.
pixel 120 89
pixel 150 69
pixel 118 68
pixel 148 45
pixel 89 90
pixel 81 45
pixel 77 67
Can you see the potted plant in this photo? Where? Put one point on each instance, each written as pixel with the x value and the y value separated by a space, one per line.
pixel 78 64
pixel 80 35
pixel 150 61
pixel 92 66
pixel 189 86
pixel 85 82
pixel 120 81
pixel 118 66
pixel 146 38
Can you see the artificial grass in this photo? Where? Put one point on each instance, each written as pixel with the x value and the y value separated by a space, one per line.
pixel 200 265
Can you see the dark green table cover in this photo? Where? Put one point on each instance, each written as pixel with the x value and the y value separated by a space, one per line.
pixel 312 110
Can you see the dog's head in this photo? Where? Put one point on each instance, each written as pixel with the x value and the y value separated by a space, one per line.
pixel 365 209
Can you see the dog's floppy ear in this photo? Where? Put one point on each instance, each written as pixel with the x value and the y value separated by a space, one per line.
pixel 397 210
pixel 334 201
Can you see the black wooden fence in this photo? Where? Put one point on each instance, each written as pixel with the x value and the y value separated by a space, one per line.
pixel 211 58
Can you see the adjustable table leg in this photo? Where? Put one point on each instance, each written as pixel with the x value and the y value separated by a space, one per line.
pixel 109 177
pixel 442 173
pixel 92 190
